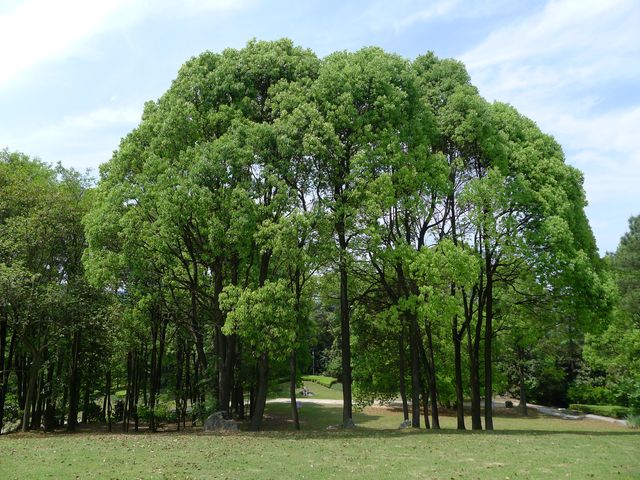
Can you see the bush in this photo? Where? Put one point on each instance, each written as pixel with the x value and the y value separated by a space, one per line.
pixel 200 411
pixel 162 414
pixel 589 395
pixel 633 420
pixel 12 410
pixel 321 380
pixel 93 413
pixel 604 410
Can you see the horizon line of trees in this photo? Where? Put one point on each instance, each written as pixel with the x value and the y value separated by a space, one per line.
pixel 432 244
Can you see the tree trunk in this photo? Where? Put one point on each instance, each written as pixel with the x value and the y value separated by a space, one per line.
pixel 50 404
pixel 292 390
pixel 36 416
pixel 85 405
pixel 108 397
pixel 474 384
pixel 345 329
pixel 32 380
pixel 488 337
pixel 521 380
pixel 154 354
pixel 74 383
pixel 263 362
pixel 425 406
pixel 416 386
pixel 226 371
pixel 457 355
pixel 431 377
pixel 4 372
pixel 179 383
pixel 403 368
pixel 261 394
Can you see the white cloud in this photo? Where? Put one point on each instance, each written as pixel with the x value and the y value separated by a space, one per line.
pixel 34 31
pixel 561 66
pixel 81 124
pixel 81 141
pixel 399 15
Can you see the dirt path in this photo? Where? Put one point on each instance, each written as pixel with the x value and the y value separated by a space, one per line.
pixel 497 404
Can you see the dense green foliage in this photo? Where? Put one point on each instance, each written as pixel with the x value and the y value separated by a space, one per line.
pixel 274 212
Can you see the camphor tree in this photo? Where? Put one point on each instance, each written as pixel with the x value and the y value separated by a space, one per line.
pixel 265 172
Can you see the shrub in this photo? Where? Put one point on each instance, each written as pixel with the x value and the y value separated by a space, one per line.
pixel 12 410
pixel 321 380
pixel 93 413
pixel 161 413
pixel 604 410
pixel 633 420
pixel 589 395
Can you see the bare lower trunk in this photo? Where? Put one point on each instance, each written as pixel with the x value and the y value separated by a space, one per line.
pixel 457 341
pixel 345 332
pixel 292 390
pixel 402 368
pixel 261 393
pixel 488 339
pixel 74 383
pixel 416 386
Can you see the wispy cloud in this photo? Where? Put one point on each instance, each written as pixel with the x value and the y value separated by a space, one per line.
pixel 562 66
pixel 81 141
pixel 35 31
pixel 401 14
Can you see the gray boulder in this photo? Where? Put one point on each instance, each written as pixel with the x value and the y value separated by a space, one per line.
pixel 405 424
pixel 219 421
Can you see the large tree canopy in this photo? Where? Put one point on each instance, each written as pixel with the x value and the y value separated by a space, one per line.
pixel 269 189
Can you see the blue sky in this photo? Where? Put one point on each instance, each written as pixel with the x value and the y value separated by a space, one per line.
pixel 74 74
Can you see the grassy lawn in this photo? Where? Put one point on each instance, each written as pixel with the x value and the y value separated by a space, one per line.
pixel 319 391
pixel 537 447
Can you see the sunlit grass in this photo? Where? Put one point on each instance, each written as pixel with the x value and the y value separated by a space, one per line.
pixel 536 447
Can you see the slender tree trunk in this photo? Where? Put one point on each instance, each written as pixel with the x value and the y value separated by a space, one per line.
pixel 50 404
pixel 521 380
pixel 425 406
pixel 152 391
pixel 263 362
pixel 227 370
pixel 261 394
pixel 128 399
pixel 403 368
pixel 85 405
pixel 108 397
pixel 292 389
pixel 74 383
pixel 473 346
pixel 5 369
pixel 21 379
pixel 32 376
pixel 431 378
pixel 457 355
pixel 36 417
pixel 474 384
pixel 4 320
pixel 416 386
pixel 345 328
pixel 179 383
pixel 238 389
pixel 488 338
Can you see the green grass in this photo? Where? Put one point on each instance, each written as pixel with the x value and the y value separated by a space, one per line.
pixel 318 391
pixel 604 410
pixel 536 447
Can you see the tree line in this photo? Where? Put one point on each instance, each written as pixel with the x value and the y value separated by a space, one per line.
pixel 431 244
